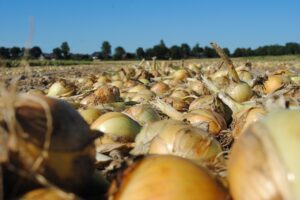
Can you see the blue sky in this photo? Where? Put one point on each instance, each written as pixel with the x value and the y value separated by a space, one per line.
pixel 84 24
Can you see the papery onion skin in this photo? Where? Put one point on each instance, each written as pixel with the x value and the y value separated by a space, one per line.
pixel 118 126
pixel 48 194
pixel 264 162
pixel 167 178
pixel 177 138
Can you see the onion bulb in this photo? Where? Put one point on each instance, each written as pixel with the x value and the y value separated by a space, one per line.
pixel 47 120
pixel 166 177
pixel 117 126
pixel 90 114
pixel 274 82
pixel 143 113
pixel 240 92
pixel 180 75
pixel 61 89
pixel 264 162
pixel 160 88
pixel 48 194
pixel 246 117
pixel 214 121
pixel 177 138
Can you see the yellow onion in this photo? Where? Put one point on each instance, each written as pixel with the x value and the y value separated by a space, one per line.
pixel 239 92
pixel 143 96
pixel 90 114
pixel 143 113
pixel 103 79
pixel 245 75
pixel 177 103
pixel 264 162
pixel 221 82
pixel 61 89
pixel 179 93
pixel 180 75
pixel 166 177
pixel 36 91
pixel 117 83
pixel 246 117
pixel 214 121
pixel 274 82
pixel 198 87
pixel 48 194
pixel 177 138
pixel 160 88
pixel 85 82
pixel 71 141
pixel 105 94
pixel 137 88
pixel 117 126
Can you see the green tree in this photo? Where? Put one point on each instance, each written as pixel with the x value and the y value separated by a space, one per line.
pixel 57 53
pixel 35 52
pixel 197 51
pixel 4 53
pixel 209 52
pixel 15 52
pixel 140 53
pixel 160 50
pixel 119 53
pixel 106 50
pixel 65 49
pixel 175 52
pixel 185 50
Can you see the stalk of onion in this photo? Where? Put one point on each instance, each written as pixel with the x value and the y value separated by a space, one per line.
pixel 238 90
pixel 166 177
pixel 264 162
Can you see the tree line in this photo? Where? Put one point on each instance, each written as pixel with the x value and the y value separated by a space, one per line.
pixel 160 51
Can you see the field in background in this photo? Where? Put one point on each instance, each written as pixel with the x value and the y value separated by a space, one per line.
pixel 78 68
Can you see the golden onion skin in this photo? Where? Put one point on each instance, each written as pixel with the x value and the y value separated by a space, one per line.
pixel 273 83
pixel 166 178
pixel 264 162
pixel 176 138
pixel 118 126
pixel 240 92
pixel 246 117
pixel 71 148
pixel 143 113
pixel 48 194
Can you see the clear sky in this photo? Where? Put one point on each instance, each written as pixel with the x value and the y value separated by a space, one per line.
pixel 85 24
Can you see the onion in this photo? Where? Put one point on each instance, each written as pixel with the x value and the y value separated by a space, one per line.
pixel 214 121
pixel 143 113
pixel 166 177
pixel 143 96
pixel 240 92
pixel 176 138
pixel 90 114
pixel 274 82
pixel 180 75
pixel 67 140
pixel 48 194
pixel 61 89
pixel 105 94
pixel 245 76
pixel 117 126
pixel 177 103
pixel 246 117
pixel 264 161
pixel 137 88
pixel 160 88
